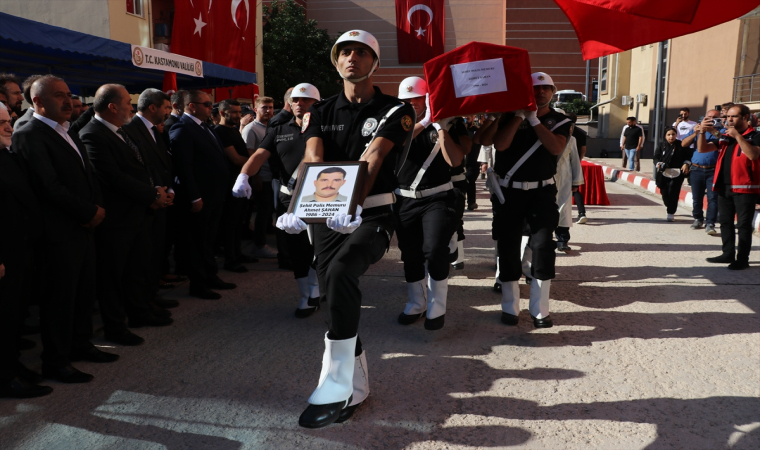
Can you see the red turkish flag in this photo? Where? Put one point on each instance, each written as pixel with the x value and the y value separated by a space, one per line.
pixel 605 27
pixel 420 30
pixel 170 82
pixel 218 31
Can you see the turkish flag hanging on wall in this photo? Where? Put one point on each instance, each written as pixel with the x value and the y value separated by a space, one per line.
pixel 420 30
pixel 220 32
pixel 605 27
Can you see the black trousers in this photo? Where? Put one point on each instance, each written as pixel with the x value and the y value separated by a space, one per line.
pixel 742 206
pixel 195 243
pixel 579 203
pixel 459 204
pixel 12 286
pixel 539 208
pixel 341 260
pixel 425 227
pixel 670 188
pixel 297 248
pixel 231 226
pixel 264 209
pixel 125 265
pixel 66 309
pixel 170 240
pixel 563 234
pixel 158 247
pixel 472 176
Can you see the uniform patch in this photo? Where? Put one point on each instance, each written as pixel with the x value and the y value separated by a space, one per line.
pixel 550 123
pixel 434 136
pixel 407 123
pixel 369 126
pixel 305 122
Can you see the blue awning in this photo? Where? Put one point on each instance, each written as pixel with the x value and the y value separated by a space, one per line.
pixel 86 62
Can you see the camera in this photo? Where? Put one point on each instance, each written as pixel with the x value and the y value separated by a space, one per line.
pixel 717 123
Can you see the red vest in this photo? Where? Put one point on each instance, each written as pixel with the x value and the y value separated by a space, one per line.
pixel 745 174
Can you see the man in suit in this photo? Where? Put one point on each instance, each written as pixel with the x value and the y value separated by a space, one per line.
pixel 178 109
pixel 203 175
pixel 69 195
pixel 131 194
pixel 21 228
pixel 172 223
pixel 29 113
pixel 153 107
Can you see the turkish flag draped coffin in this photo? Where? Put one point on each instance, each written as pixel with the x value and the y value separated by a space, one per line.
pixel 605 27
pixel 221 32
pixel 479 77
pixel 420 30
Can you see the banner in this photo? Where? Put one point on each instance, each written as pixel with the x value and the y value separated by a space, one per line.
pixel 479 77
pixel 220 32
pixel 150 58
pixel 420 30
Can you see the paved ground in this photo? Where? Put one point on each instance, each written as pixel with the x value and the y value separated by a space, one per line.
pixel 652 349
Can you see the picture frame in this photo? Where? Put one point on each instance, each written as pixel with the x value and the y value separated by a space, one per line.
pixel 326 188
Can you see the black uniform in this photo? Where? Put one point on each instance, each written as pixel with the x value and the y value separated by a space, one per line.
pixel 235 209
pixel 286 145
pixel 345 129
pixel 426 224
pixel 536 206
pixel 472 167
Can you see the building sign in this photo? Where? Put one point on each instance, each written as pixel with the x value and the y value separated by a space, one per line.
pixel 150 58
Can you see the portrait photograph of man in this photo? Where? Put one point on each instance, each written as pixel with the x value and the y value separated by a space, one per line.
pixel 327 186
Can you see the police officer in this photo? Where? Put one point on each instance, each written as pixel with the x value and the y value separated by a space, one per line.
pixel 358 124
pixel 283 146
pixel 529 192
pixel 425 210
pixel 459 179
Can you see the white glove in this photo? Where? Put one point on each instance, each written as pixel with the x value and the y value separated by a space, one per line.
pixel 532 117
pixel 342 222
pixel 520 113
pixel 241 188
pixel 443 123
pixel 291 224
pixel 426 120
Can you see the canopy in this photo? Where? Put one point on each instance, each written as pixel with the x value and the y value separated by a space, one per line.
pixel 86 62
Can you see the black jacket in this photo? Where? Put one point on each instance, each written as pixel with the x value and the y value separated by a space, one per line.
pixel 126 182
pixel 21 225
pixel 155 151
pixel 673 155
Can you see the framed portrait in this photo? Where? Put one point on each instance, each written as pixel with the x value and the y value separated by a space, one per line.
pixel 325 189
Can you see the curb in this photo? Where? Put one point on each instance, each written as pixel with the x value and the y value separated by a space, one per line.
pixel 646 182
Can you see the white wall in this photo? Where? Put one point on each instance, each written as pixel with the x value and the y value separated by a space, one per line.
pixel 85 16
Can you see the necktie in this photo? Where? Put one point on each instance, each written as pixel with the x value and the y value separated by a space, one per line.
pixel 132 145
pixel 154 129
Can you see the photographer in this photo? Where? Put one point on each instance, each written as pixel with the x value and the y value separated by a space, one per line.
pixel 671 161
pixel 703 173
pixel 683 125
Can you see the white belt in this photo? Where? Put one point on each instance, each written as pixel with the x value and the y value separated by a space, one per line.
pixel 374 201
pixel 425 192
pixel 527 185
pixel 284 189
pixel 459 177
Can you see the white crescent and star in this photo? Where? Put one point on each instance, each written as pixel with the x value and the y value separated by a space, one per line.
pixel 420 31
pixel 199 24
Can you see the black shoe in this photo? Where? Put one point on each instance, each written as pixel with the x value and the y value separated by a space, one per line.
pixel 722 259
pixel 93 354
pixel 25 344
pixel 204 293
pixel 509 319
pixel 313 301
pixel 546 322
pixel 126 337
pixel 458 266
pixel 739 265
pixel 217 283
pixel 408 319
pixel 435 324
pixel 497 287
pixel 19 388
pixel 165 303
pixel 235 267
pixel 472 207
pixel 28 374
pixel 66 374
pixel 347 412
pixel 26 330
pixel 304 313
pixel 151 320
pixel 159 311
pixel 563 247
pixel 245 259
pixel 318 416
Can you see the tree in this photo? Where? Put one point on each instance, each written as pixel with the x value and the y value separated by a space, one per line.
pixel 296 51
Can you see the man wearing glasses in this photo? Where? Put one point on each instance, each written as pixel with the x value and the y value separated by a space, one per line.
pixel 203 174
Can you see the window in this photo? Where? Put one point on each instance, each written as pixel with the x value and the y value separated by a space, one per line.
pixel 135 7
pixel 603 75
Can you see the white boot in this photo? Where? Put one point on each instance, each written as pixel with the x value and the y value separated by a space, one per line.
pixel 510 298
pixel 313 284
pixel 527 256
pixel 361 387
pixel 436 305
pixel 497 281
pixel 336 380
pixel 539 298
pixel 304 309
pixel 459 263
pixel 417 304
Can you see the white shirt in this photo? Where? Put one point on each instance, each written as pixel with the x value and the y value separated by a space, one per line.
pixel 110 126
pixel 149 125
pixel 684 128
pixel 62 130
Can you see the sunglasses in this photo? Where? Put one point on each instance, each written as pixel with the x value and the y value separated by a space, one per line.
pixel 206 104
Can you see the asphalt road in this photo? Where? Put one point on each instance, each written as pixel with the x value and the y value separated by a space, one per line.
pixel 652 348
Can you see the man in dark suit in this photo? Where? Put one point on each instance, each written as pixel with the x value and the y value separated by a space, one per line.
pixel 26 86
pixel 153 107
pixel 172 222
pixel 21 229
pixel 203 175
pixel 69 195
pixel 131 194
pixel 178 109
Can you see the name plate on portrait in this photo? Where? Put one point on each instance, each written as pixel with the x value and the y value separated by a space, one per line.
pixel 479 77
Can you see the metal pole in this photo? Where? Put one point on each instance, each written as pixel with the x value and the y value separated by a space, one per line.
pixel 585 86
pixel 658 98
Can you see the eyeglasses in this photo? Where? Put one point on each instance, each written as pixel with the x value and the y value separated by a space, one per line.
pixel 206 104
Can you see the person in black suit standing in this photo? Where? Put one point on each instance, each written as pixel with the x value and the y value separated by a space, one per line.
pixel 172 223
pixel 61 176
pixel 153 108
pixel 203 174
pixel 131 195
pixel 21 229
